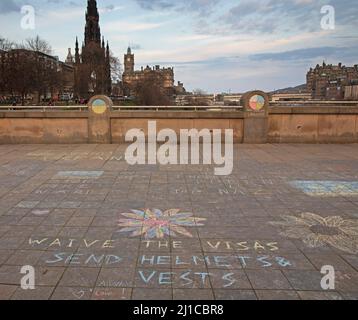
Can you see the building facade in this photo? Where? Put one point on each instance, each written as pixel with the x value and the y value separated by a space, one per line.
pixel 132 80
pixel 91 64
pixel 351 93
pixel 328 82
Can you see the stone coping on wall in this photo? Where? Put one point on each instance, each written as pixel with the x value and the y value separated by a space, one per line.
pixel 176 114
pixel 126 114
pixel 43 114
pixel 314 110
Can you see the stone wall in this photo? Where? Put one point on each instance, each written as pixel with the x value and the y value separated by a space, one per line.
pixel 35 128
pixel 122 122
pixel 313 125
pixel 284 125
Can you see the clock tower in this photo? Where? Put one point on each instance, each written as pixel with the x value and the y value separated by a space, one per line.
pixel 129 62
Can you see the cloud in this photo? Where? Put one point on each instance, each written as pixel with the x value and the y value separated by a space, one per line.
pixel 275 16
pixel 110 8
pixel 307 54
pixel 213 44
pixel 8 6
pixel 155 4
pixel 268 16
pixel 195 6
pixel 62 15
pixel 135 46
pixel 129 26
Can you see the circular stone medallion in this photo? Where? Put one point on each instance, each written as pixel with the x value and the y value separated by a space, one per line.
pixel 99 106
pixel 257 102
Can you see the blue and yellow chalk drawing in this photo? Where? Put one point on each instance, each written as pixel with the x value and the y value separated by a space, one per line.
pixel 327 188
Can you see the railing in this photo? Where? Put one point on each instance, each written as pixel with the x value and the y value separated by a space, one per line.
pixel 124 108
pixel 178 108
pixel 303 104
pixel 43 108
pixel 314 103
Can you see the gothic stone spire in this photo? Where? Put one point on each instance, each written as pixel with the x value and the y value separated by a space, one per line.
pixel 92 29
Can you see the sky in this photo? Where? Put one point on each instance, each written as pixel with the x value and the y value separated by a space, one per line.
pixel 213 45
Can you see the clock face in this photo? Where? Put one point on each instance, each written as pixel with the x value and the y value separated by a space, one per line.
pixel 257 102
pixel 129 59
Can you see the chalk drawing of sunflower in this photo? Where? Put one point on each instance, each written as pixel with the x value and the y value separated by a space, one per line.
pixel 154 223
pixel 316 231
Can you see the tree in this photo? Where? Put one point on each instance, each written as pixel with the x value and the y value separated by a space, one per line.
pixel 197 101
pixel 150 93
pixel 29 68
pixel 18 73
pixel 46 73
pixel 199 92
pixel 116 68
pixel 24 75
pixel 38 45
pixel 6 44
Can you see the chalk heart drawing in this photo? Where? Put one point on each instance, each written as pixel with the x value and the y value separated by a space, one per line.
pixel 78 294
pixel 154 223
pixel 316 231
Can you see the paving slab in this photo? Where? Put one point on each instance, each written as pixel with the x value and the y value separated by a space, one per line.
pixel 95 228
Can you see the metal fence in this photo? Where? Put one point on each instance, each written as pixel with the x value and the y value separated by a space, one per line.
pixel 123 108
pixel 214 108
pixel 314 103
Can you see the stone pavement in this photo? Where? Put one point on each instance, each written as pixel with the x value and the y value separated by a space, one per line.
pixel 94 227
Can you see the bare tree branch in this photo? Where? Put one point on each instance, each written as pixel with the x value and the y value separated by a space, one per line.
pixel 38 45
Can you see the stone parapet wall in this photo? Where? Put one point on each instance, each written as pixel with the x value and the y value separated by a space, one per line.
pixel 283 125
